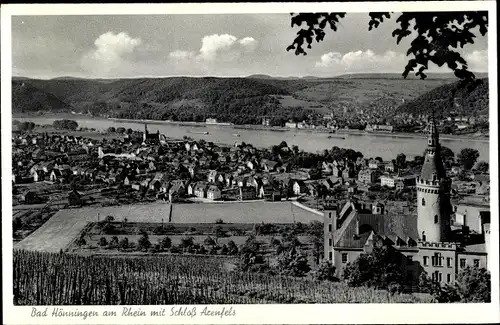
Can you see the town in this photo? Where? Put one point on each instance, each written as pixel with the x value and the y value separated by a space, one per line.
pixel 54 169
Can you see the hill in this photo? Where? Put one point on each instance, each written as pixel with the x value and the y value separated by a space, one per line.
pixel 236 100
pixel 28 98
pixel 458 98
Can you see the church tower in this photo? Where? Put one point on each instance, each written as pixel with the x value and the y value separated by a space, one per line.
pixel 433 192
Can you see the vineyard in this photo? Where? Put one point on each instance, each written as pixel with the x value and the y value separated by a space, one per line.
pixel 64 279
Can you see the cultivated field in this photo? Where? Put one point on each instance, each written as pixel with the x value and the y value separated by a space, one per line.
pixel 161 280
pixel 60 230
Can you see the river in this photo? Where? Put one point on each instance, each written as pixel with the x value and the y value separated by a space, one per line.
pixel 371 145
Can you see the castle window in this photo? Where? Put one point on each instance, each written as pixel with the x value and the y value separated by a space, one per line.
pixel 462 263
pixel 448 262
pixel 329 215
pixel 426 260
pixel 448 277
pixel 344 258
pixel 330 256
pixel 330 242
pixel 423 236
pixel 423 202
pixel 440 276
pixel 476 263
pixel 436 219
pixel 330 227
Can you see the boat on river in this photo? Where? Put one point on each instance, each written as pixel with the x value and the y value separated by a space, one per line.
pixel 200 132
pixel 336 137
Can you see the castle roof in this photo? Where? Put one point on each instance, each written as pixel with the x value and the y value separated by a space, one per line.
pixel 433 165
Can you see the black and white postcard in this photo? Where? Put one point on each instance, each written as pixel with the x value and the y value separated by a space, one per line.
pixel 250 163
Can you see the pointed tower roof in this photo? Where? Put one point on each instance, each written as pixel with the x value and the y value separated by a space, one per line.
pixel 433 164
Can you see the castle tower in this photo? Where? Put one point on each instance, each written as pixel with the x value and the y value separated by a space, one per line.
pixel 330 212
pixel 433 192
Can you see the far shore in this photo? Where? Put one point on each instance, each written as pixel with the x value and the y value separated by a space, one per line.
pixel 469 137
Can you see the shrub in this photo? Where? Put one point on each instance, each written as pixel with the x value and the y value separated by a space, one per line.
pixel 219 221
pixel 209 241
pixel 166 243
pixel 124 243
pixel 187 242
pixel 474 285
pixel 379 269
pixel 325 272
pixel 144 242
pixel 103 242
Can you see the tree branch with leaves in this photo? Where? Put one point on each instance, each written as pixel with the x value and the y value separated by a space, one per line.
pixel 438 37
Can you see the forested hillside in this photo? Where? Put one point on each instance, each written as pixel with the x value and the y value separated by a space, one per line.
pixel 240 100
pixel 460 98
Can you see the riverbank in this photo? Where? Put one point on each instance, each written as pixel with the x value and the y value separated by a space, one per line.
pixel 469 137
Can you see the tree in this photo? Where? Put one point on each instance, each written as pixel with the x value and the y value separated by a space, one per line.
pixel 111 129
pixel 130 131
pixel 468 157
pixel 232 248
pixel 103 242
pixel 447 154
pixel 120 129
pixel 401 161
pixel 379 269
pixel 143 242
pixel 166 243
pixel 65 125
pixel 314 173
pixel 292 263
pixel 124 243
pixel 436 38
pixel 209 241
pixel 114 242
pixel 483 166
pixel 474 284
pixel 187 242
pixel 325 272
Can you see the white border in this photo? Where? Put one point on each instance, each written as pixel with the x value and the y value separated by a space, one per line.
pixel 252 314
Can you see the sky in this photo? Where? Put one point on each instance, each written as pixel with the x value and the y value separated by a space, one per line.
pixel 123 46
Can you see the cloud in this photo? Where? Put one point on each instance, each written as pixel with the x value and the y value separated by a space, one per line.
pixel 361 61
pixel 212 44
pixel 215 49
pixel 477 60
pixel 110 52
pixel 248 43
pixel 181 55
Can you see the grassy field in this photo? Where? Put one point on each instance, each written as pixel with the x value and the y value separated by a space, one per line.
pixel 66 279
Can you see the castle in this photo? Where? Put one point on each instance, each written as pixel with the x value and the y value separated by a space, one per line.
pixel 425 241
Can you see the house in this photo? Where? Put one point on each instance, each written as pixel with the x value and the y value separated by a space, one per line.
pixel 456 170
pixel 56 175
pixel 299 187
pixel 200 190
pixel 190 188
pixel 367 176
pixel 390 167
pixel 373 164
pixel 75 198
pixel 387 180
pixel 251 164
pixel 269 165
pixel 212 176
pixel 348 172
pixel 29 197
pixel 269 193
pixel 247 193
pixel 176 191
pixel 145 182
pixel 213 193
pixel 38 175
pixel 157 182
